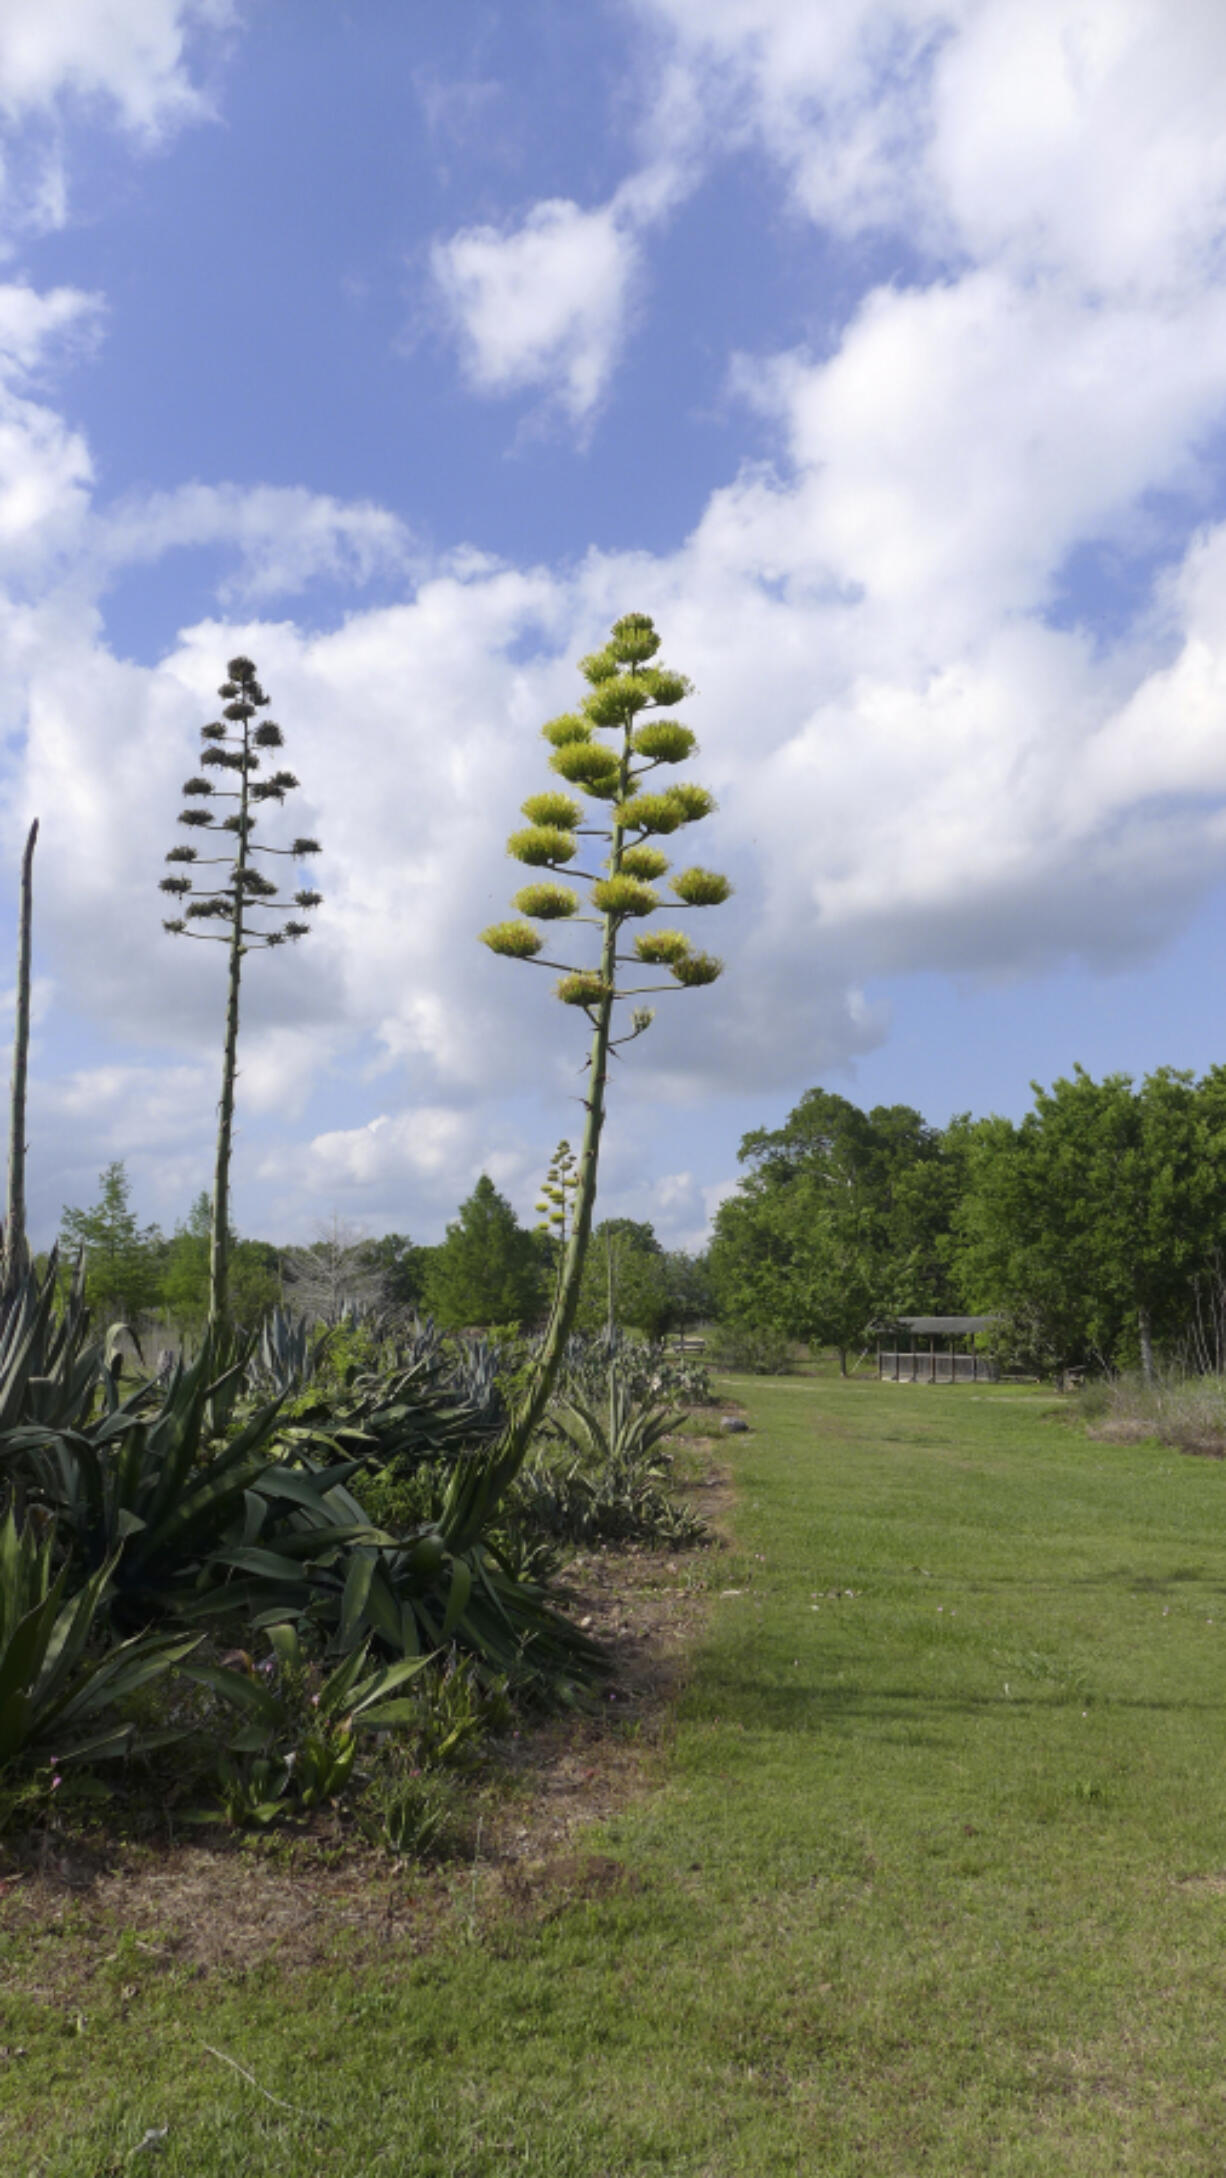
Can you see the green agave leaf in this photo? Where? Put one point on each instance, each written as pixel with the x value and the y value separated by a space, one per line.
pixel 334 1696
pixel 126 1669
pixel 384 1682
pixel 98 1746
pixel 237 1689
pixel 457 1600
pixel 386 1714
pixel 357 1589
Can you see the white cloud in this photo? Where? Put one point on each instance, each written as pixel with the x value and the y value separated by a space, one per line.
pixel 543 304
pixel 131 59
pixel 132 54
pixel 34 327
pixel 45 469
pixel 1040 133
pixel 919 769
pixel 283 538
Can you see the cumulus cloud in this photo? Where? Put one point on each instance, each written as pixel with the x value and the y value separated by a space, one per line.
pixel 542 304
pixel 130 59
pixel 281 538
pixel 1032 132
pixel 926 758
pixel 130 54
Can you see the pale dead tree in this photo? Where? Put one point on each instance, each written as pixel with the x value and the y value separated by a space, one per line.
pixel 333 1273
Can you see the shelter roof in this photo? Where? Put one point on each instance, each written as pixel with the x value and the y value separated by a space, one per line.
pixel 940 1326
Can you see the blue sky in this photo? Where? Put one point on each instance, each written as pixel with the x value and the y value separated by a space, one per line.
pixel 878 350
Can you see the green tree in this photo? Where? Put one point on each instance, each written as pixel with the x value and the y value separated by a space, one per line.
pixel 625 1280
pixel 399 1265
pixel 254 1272
pixel 254 1280
pixel 185 1273
pixel 623 684
pixel 488 1269
pixel 242 896
pixel 1090 1222
pixel 843 1217
pixel 123 1260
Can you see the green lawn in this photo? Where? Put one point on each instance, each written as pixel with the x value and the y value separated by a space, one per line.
pixel 934 1880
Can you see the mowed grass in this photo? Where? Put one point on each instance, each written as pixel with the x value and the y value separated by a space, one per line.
pixel 932 1880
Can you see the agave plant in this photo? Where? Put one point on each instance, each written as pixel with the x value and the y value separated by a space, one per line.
pixel 624 1436
pixel 57 1700
pixel 286 1355
pixel 186 1522
pixel 613 1488
pixel 299 1748
pixel 48 1366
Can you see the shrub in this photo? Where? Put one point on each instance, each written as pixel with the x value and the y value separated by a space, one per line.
pixel 1187 1412
pixel 749 1351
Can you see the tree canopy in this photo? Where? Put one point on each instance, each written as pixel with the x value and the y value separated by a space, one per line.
pixel 843 1217
pixel 123 1271
pixel 488 1269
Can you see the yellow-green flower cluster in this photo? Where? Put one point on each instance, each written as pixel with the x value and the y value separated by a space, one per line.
pixel 623 683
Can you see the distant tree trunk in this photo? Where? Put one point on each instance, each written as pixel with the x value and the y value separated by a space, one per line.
pixel 841 1351
pixel 1145 1329
pixel 15 1252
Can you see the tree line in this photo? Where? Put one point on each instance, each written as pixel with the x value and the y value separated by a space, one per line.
pixel 489 1270
pixel 1094 1229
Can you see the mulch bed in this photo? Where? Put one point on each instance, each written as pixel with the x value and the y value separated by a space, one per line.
pixel 227 1904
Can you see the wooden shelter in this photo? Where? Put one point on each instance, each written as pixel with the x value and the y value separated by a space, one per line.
pixel 935 1350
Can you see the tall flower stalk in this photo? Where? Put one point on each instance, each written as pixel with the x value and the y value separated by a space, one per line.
pixel 242 897
pixel 16 1253
pixel 632 816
